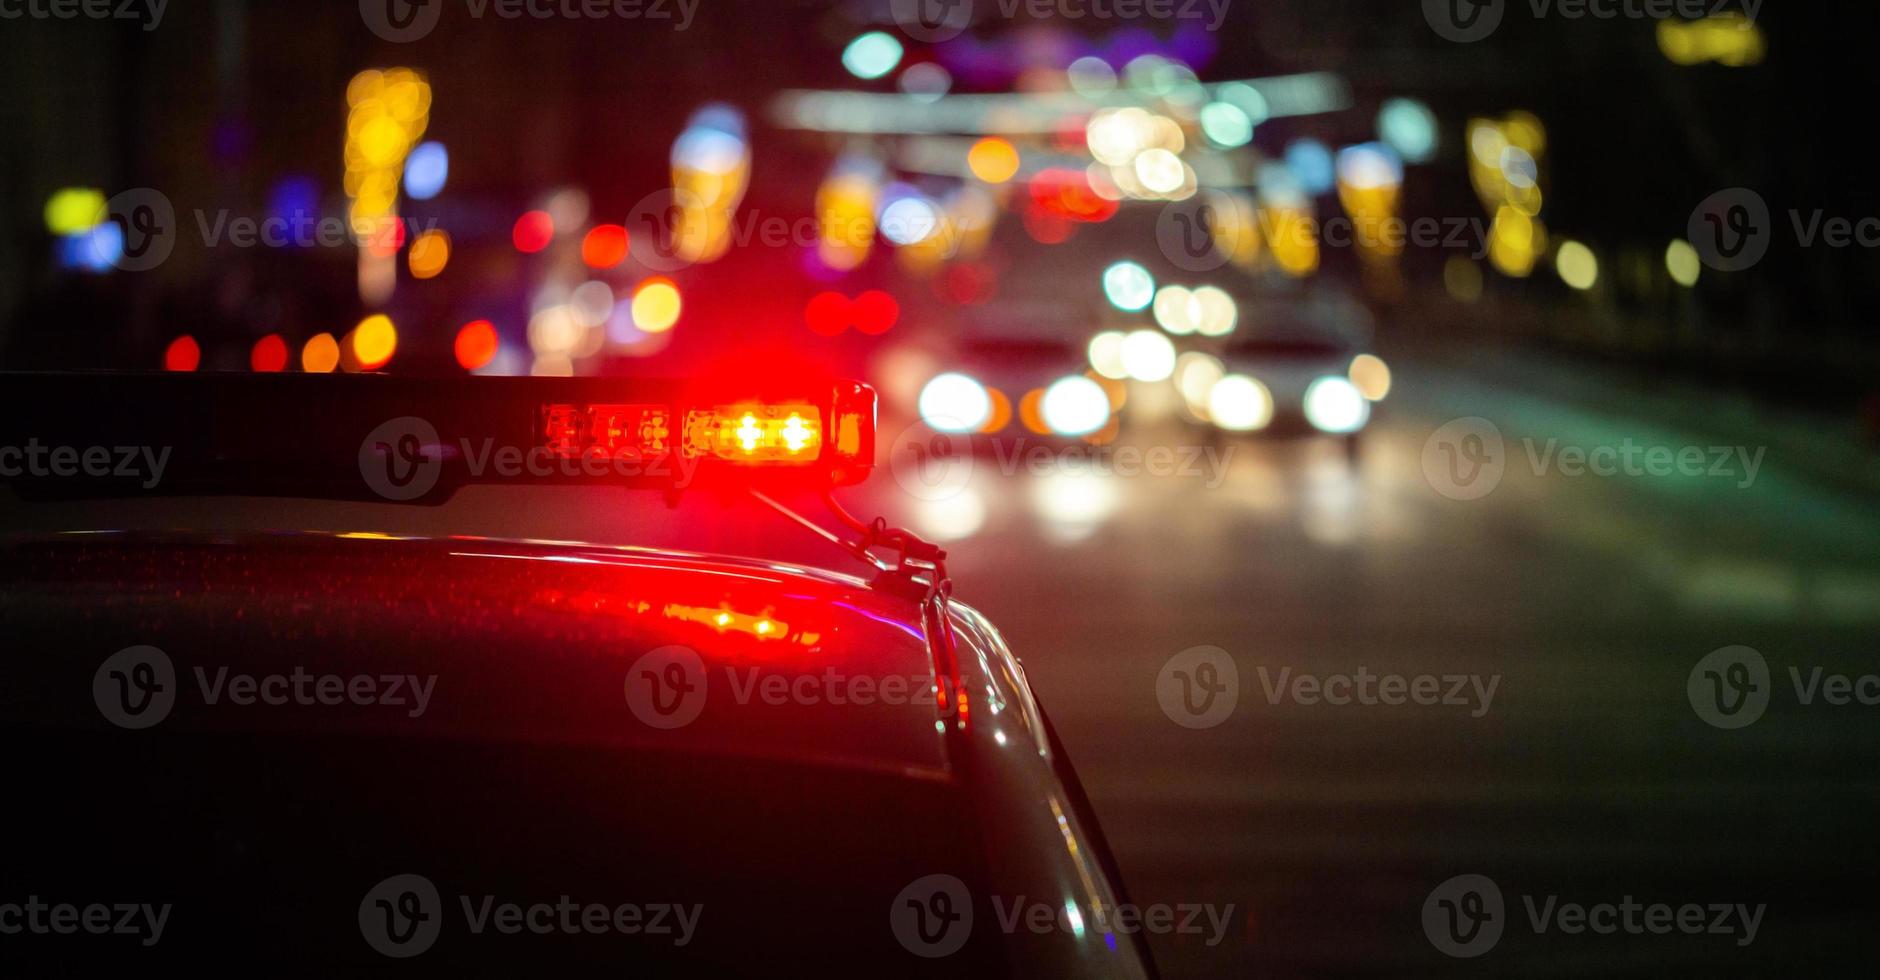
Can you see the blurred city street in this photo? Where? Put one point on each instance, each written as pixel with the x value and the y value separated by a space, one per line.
pixel 1580 605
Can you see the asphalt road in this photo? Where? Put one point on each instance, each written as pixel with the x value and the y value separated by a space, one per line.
pixel 1560 617
pixel 1569 764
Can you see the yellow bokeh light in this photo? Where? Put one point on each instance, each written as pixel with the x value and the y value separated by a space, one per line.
pixel 1577 265
pixel 74 209
pixel 373 341
pixel 430 253
pixel 320 355
pixel 1682 262
pixel 656 306
pixel 993 160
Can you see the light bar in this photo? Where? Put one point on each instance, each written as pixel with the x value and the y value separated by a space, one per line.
pixel 355 436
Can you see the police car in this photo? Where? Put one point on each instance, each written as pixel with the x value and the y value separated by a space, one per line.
pixel 305 753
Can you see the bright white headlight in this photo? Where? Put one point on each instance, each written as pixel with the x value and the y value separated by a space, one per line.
pixel 1240 403
pixel 953 402
pixel 1335 405
pixel 1075 406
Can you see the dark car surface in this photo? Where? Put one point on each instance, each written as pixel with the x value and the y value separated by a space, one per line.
pixel 302 754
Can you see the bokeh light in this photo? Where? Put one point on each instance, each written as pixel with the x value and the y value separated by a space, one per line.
pixel 656 305
pixel 1128 286
pixel 604 247
pixel 74 209
pixel 533 231
pixel 1075 406
pixel 872 55
pixel 320 354
pixel 1148 355
pixel 269 354
pixel 183 354
pixel 1240 404
pixel 373 342
pixel 1371 375
pixel 993 160
pixel 427 170
pixel 477 344
pixel 1576 264
pixel 953 402
pixel 1682 262
pixel 429 254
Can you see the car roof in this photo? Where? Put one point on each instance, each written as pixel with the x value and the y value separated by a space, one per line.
pixel 526 640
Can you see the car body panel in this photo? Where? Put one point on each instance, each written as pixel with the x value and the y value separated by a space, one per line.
pixel 527 751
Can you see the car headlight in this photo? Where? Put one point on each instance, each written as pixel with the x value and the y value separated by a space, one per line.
pixel 1240 404
pixel 1335 405
pixel 953 402
pixel 1075 406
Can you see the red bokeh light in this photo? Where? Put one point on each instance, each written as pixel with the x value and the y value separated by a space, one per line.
pixel 874 312
pixel 183 354
pixel 968 283
pixel 476 344
pixel 604 247
pixel 269 354
pixel 533 232
pixel 828 313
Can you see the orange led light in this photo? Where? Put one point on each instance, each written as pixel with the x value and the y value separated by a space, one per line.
pixel 787 433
